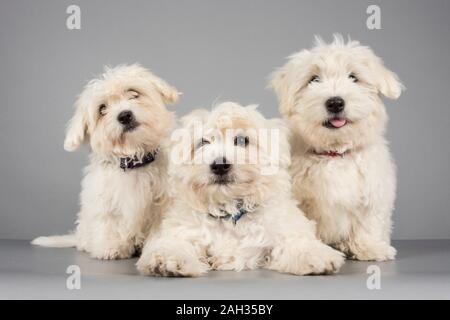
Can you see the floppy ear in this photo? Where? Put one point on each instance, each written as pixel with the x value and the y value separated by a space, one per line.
pixel 168 93
pixel 288 79
pixel 76 131
pixel 280 85
pixel 386 81
pixel 181 140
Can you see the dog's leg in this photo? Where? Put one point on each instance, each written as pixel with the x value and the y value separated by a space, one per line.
pixel 104 241
pixel 296 249
pixel 364 246
pixel 111 249
pixel 171 255
pixel 370 237
pixel 305 256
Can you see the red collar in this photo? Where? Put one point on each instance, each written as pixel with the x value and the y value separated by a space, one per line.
pixel 331 154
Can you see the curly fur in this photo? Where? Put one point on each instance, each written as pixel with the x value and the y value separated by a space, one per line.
pixel 274 233
pixel 119 208
pixel 350 197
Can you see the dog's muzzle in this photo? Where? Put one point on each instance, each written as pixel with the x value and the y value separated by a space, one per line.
pixel 220 167
pixel 335 107
pixel 127 120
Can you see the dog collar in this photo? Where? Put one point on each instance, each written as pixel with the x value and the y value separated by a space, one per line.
pixel 129 163
pixel 331 154
pixel 235 216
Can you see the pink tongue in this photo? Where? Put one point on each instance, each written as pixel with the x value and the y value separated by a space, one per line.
pixel 337 123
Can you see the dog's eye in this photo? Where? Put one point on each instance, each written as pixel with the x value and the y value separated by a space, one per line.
pixel 102 109
pixel 314 78
pixel 134 94
pixel 202 143
pixel 352 77
pixel 241 141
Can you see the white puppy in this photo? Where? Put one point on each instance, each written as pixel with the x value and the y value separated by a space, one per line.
pixel 234 209
pixel 123 116
pixel 343 173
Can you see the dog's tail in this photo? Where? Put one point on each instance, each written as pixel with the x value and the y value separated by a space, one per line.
pixel 63 241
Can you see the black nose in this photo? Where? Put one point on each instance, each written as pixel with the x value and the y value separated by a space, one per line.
pixel 335 104
pixel 125 117
pixel 220 166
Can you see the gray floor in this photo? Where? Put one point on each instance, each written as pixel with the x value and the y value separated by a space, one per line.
pixel 422 270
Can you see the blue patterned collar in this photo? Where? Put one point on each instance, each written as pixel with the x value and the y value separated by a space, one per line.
pixel 235 216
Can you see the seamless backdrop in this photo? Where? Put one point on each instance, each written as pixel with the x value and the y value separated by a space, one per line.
pixel 210 50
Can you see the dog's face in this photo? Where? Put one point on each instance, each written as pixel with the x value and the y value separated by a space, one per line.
pixel 331 94
pixel 122 112
pixel 224 155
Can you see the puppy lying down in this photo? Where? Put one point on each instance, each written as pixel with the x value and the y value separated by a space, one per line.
pixel 233 208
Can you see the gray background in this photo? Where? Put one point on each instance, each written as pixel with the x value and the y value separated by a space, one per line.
pixel 208 50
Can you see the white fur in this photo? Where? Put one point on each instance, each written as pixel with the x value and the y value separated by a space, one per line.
pixel 350 197
pixel 274 234
pixel 119 208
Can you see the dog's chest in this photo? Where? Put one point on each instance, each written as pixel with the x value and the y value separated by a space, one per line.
pixel 335 181
pixel 228 239
pixel 121 193
pixel 135 190
pixel 330 191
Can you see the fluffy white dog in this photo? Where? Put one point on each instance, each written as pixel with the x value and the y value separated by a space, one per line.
pixel 123 116
pixel 343 173
pixel 234 209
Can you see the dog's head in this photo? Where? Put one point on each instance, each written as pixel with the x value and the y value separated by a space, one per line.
pixel 231 153
pixel 331 94
pixel 122 112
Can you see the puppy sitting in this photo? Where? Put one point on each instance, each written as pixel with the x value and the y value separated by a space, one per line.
pixel 343 173
pixel 123 116
pixel 233 209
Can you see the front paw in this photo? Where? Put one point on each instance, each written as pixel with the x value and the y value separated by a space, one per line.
pixel 160 263
pixel 113 253
pixel 311 258
pixel 374 252
pixel 321 259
